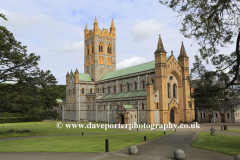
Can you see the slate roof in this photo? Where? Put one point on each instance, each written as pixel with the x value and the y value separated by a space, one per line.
pixel 125 94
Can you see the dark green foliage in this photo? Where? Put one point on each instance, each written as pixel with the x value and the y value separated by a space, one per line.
pixel 24 88
pixel 10 131
pixel 212 24
pixel 19 119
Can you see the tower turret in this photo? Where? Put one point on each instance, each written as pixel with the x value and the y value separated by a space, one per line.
pixel 67 76
pixel 112 29
pixel 76 78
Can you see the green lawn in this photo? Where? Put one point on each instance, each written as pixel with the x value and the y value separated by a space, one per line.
pixel 220 143
pixel 48 128
pixel 234 130
pixel 87 143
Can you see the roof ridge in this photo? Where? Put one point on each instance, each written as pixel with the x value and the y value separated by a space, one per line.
pixel 134 66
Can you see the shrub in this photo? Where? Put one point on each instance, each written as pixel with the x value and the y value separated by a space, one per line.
pixel 26 130
pixel 10 131
pixel 19 131
pixel 180 121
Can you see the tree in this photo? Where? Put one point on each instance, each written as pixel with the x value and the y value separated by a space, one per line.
pixel 24 87
pixel 213 24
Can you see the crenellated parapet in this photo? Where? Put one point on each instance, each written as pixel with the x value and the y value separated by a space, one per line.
pixel 96 31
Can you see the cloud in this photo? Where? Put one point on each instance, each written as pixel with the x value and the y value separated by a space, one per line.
pixel 75 47
pixel 130 62
pixel 144 29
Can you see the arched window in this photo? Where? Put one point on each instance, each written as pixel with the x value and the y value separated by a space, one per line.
pixel 108 89
pixel 135 86
pixel 97 90
pixel 114 89
pixel 128 86
pixel 174 91
pixel 91 90
pixel 92 49
pixel 121 88
pixel 168 90
pixel 99 48
pixel 157 105
pixel 142 106
pixel 82 90
pixel 110 50
pixel 102 89
pixel 143 85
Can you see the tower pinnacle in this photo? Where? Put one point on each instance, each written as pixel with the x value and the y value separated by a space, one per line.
pixel 160 47
pixel 182 52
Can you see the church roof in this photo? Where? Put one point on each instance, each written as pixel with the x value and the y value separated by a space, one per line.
pixel 129 70
pixel 58 100
pixel 128 106
pixel 125 94
pixel 84 77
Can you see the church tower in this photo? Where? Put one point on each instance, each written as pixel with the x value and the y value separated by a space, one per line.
pixel 161 80
pixel 99 50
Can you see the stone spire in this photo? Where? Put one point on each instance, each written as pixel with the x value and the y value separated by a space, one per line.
pixel 76 72
pixel 160 47
pixel 95 20
pixel 182 52
pixel 86 27
pixel 112 24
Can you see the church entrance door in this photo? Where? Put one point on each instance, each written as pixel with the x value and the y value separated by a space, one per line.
pixel 122 119
pixel 172 116
pixel 222 117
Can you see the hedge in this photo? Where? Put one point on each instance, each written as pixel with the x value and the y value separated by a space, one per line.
pixel 20 119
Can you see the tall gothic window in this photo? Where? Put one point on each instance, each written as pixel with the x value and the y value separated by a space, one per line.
pixel 110 50
pixel 157 105
pixel 143 84
pixel 168 90
pixel 91 90
pixel 108 89
pixel 103 90
pixel 99 48
pixel 174 91
pixel 92 49
pixel 114 89
pixel 142 106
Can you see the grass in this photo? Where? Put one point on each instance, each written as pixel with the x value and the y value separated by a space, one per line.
pixel 220 143
pixel 48 128
pixel 234 130
pixel 88 143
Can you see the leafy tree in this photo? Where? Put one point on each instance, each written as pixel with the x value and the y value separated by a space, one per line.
pixel 212 23
pixel 24 88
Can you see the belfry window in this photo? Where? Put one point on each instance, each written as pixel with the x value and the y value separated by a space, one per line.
pixel 100 48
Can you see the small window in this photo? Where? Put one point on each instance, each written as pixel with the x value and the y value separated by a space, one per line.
pixel 120 87
pixel 91 90
pixel 97 90
pixel 131 116
pixel 157 105
pixel 174 91
pixel 201 115
pixel 82 90
pixel 135 86
pixel 142 106
pixel 228 115
pixel 168 90
pixel 104 107
pixel 153 81
pixel 103 90
pixel 128 86
pixel 92 49
pixel 216 115
pixel 114 89
pixel 108 89
pixel 204 115
pixel 135 116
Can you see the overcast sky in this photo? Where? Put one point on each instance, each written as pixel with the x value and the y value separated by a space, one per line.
pixel 54 29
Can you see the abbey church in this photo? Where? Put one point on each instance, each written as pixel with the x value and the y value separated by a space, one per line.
pixel 155 92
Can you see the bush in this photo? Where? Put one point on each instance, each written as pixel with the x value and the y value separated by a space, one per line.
pixel 26 130
pixel 180 121
pixel 10 131
pixel 19 131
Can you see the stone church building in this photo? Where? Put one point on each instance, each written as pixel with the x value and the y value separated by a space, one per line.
pixel 155 92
